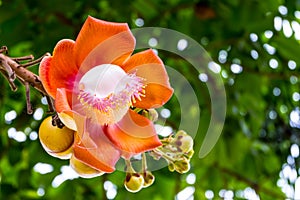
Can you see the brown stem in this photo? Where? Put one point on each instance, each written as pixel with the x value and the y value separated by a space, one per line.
pixel 29 106
pixel 34 62
pixel 11 70
pixel 22 73
pixel 56 121
pixel 23 58
pixel 50 104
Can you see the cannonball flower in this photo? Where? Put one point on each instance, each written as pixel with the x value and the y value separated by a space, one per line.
pixel 96 82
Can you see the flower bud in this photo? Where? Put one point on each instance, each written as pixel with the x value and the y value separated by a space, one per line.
pixel 148 179
pixel 134 182
pixel 190 154
pixel 171 167
pixel 182 165
pixel 183 142
pixel 153 115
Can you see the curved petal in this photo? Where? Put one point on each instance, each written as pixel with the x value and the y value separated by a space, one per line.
pixel 101 42
pixel 156 96
pixel 63 100
pixel 94 149
pixel 133 134
pixel 59 70
pixel 147 64
pixel 63 108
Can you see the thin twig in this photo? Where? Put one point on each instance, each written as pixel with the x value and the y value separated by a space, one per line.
pixel 23 58
pixel 29 106
pixel 50 104
pixel 23 73
pixel 11 70
pixel 56 121
pixel 37 61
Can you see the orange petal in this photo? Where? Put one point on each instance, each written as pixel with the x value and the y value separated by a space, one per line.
pixel 94 149
pixel 63 100
pixel 156 96
pixel 60 70
pixel 133 134
pixel 63 108
pixel 101 42
pixel 148 65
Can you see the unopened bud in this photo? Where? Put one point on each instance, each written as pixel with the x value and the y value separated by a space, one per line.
pixel 134 182
pixel 171 167
pixel 151 114
pixel 148 179
pixel 182 165
pixel 190 154
pixel 183 142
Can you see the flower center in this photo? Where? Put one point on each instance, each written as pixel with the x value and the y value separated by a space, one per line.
pixel 107 92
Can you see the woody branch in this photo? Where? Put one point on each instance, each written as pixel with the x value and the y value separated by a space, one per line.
pixel 12 69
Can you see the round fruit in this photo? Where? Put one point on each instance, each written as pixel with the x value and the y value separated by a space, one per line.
pixel 65 155
pixel 56 141
pixel 82 169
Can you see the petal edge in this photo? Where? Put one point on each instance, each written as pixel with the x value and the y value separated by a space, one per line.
pixel 133 134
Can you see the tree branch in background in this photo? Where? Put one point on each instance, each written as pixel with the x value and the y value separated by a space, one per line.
pixel 253 184
pixel 11 69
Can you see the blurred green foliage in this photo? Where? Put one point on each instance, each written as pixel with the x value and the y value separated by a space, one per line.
pixel 257 135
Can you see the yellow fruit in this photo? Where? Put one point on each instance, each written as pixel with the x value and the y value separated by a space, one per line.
pixel 82 169
pixel 57 142
pixel 65 155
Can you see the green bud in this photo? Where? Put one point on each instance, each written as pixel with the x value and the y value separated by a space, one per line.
pixel 134 182
pixel 183 142
pixel 182 165
pixel 148 179
pixel 153 115
pixel 171 167
pixel 190 154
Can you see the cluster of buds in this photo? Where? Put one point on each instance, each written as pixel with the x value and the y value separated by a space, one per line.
pixel 177 150
pixel 135 181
